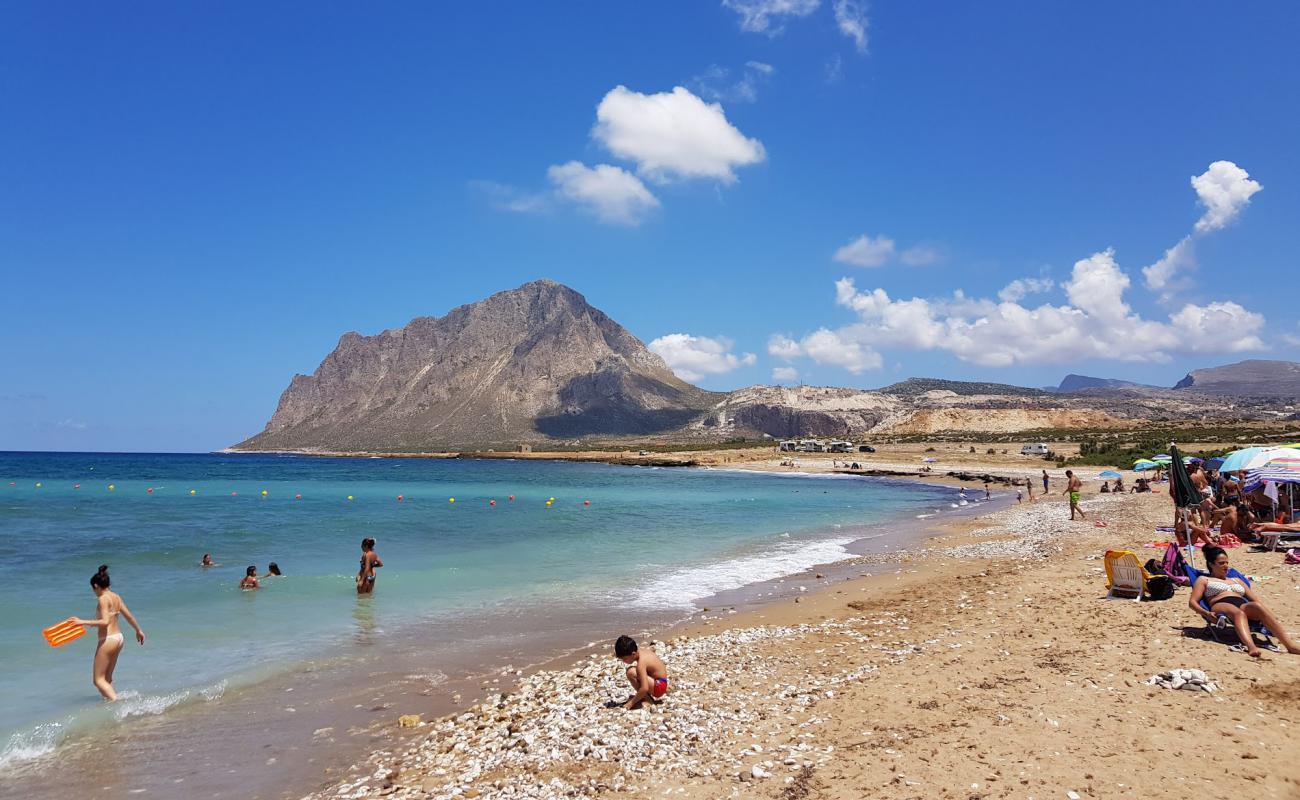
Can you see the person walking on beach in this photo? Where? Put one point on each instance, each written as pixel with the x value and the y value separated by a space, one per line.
pixel 370 562
pixel 1029 488
pixel 646 672
pixel 107 608
pixel 1072 488
pixel 1045 481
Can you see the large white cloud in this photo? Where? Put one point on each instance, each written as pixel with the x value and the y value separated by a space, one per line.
pixel 1225 189
pixel 785 374
pixel 764 16
pixel 1097 323
pixel 611 193
pixel 673 135
pixel 695 357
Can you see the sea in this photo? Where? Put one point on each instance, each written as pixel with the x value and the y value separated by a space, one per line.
pixel 489 566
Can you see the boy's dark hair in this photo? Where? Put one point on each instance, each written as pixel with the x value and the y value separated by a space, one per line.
pixel 624 646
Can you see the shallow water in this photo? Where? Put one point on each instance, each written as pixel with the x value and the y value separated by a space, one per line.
pixel 470 577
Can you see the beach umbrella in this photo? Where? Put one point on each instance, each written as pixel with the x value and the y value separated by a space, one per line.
pixel 1236 460
pixel 930 460
pixel 1185 495
pixel 1162 458
pixel 1109 473
pixel 1276 471
pixel 1144 465
pixel 1214 463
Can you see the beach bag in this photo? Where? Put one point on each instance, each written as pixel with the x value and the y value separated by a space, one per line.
pixel 1292 557
pixel 1174 566
pixel 1159 587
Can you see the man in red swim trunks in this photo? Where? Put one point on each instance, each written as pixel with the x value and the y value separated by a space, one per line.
pixel 646 672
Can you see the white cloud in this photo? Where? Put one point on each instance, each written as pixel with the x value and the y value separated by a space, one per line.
pixel 694 357
pixel 757 16
pixel 1225 189
pixel 866 252
pixel 1096 323
pixel 1016 291
pixel 504 197
pixel 1161 276
pixel 613 194
pixel 718 83
pixel 785 374
pixel 851 18
pixel 826 346
pixel 783 347
pixel 920 256
pixel 673 135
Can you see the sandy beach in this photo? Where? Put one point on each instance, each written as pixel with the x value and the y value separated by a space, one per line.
pixel 986 664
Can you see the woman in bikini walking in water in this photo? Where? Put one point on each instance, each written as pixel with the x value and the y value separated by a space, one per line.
pixel 369 563
pixel 107 609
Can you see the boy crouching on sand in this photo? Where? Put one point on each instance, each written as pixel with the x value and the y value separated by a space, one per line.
pixel 646 672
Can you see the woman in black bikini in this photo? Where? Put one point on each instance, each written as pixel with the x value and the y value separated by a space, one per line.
pixel 1232 598
pixel 370 562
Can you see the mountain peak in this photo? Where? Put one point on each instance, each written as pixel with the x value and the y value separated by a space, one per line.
pixel 521 365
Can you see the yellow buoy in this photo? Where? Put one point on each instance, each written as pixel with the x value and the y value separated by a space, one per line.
pixel 264 493
pixel 112 488
pixel 349 497
pixel 38 485
pixel 192 492
pixel 451 499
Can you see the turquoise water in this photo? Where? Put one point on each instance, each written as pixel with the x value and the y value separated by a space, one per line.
pixel 654 540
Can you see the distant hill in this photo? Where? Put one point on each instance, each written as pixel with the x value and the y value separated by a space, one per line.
pixel 523 365
pixel 1077 383
pixel 916 386
pixel 1252 378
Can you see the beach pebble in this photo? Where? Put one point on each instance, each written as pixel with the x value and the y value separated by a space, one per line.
pixel 759 772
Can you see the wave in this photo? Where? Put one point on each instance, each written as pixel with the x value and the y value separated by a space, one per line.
pixel 680 589
pixel 43 739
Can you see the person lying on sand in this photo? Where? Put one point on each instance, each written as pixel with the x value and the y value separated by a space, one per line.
pixel 646 673
pixel 1232 598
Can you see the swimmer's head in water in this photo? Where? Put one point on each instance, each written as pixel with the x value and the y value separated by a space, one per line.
pixel 273 568
pixel 625 647
pixel 368 543
pixel 100 579
pixel 251 571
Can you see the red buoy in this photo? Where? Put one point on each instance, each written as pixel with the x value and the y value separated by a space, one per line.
pixel 400 498
pixel 297 497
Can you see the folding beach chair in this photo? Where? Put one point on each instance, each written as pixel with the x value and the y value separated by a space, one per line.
pixel 1124 576
pixel 1221 629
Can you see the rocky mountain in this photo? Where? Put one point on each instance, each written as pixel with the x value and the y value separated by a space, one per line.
pixel 1251 378
pixel 1078 383
pixel 524 365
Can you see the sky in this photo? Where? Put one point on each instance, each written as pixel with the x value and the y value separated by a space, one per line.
pixel 197 200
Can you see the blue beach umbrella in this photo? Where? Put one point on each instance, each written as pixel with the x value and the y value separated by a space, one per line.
pixel 1162 458
pixel 1214 463
pixel 1110 473
pixel 1144 465
pixel 1238 459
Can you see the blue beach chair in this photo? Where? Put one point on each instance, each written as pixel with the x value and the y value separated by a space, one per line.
pixel 1221 629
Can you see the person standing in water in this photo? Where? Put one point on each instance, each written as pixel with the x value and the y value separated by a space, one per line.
pixel 370 562
pixel 107 609
pixel 249 581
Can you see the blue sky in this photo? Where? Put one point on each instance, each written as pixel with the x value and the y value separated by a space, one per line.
pixel 197 200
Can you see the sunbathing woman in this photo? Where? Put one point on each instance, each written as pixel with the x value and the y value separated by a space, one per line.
pixel 108 607
pixel 1232 598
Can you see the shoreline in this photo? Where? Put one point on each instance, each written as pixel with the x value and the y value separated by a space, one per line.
pixel 359 722
pixel 948 675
